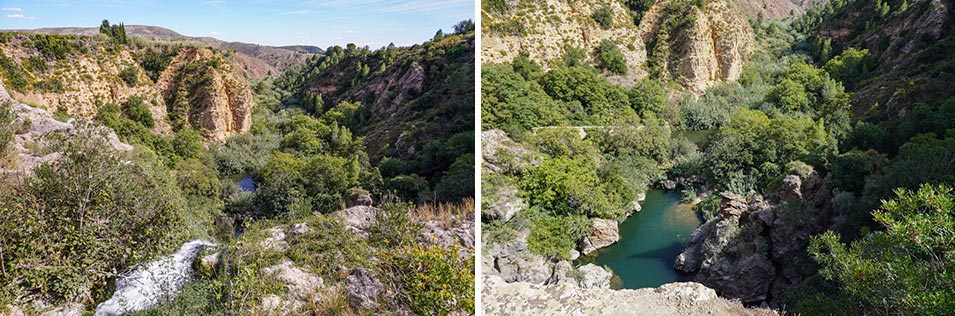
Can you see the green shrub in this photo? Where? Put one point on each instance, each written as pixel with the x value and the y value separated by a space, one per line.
pixel 458 182
pixel 611 58
pixel 555 237
pixel 137 111
pixel 431 280
pixel 6 131
pixel 82 203
pixel 130 75
pixel 604 16
pixel 905 269
pixel 648 96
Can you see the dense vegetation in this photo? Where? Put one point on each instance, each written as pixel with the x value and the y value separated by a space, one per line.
pixel 413 106
pixel 875 124
pixel 597 176
pixel 69 228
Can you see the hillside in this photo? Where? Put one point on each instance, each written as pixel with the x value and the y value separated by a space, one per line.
pixel 823 175
pixel 256 61
pixel 165 182
pixel 694 45
pixel 907 43
pixel 414 106
pixel 80 76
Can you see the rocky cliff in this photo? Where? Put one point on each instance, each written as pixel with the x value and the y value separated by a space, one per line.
pixel 220 103
pixel 564 298
pixel 77 75
pixel 695 46
pixel 256 61
pixel 754 249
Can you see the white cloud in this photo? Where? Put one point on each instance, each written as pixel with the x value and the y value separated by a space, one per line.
pixel 19 16
pixel 350 31
pixel 215 33
pixel 12 9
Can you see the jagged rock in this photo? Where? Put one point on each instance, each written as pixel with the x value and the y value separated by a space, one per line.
pixel 725 258
pixel 513 262
pixel 604 233
pixel 562 271
pixel 435 233
pixel 503 155
pixel 593 276
pixel 300 284
pixel 566 298
pixel 363 289
pixel 359 197
pixel 275 239
pixel 574 254
pixel 299 229
pixel 358 219
pixel 791 189
pixel 732 205
pixel 633 207
pixel 504 203
pixel 711 49
pixel 225 103
pixel 31 143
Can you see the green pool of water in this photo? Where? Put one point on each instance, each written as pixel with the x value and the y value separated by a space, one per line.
pixel 649 243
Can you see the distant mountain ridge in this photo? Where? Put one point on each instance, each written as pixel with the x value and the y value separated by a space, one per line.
pixel 274 60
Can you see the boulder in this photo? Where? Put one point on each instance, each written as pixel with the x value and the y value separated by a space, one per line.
pixel 275 239
pixel 501 154
pixel 300 283
pixel 503 203
pixel 513 262
pixel 732 205
pixel 363 289
pixel 593 276
pixel 358 219
pixel 299 229
pixel 604 233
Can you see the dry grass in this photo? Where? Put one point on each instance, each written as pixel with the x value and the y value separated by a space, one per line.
pixel 446 213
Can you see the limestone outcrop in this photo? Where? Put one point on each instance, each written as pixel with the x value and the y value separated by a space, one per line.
pixel 603 233
pixel 695 46
pixel 753 250
pixel 565 298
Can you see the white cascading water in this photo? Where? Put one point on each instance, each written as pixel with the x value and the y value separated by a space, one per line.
pixel 147 284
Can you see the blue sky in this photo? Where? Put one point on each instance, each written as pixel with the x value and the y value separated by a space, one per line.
pixel 270 22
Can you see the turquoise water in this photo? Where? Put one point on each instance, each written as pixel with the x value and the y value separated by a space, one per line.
pixel 649 243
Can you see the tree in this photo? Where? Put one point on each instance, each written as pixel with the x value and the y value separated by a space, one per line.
pixel 465 26
pixel 907 269
pixel 604 16
pixel 612 58
pixel 648 96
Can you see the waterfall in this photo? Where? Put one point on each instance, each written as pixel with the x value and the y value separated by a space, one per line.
pixel 145 285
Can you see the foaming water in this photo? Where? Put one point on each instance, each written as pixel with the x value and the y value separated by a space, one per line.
pixel 147 284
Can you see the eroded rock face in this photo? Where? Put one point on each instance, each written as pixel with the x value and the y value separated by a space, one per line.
pixel 604 233
pixel 513 262
pixel 363 288
pixel 711 49
pixel 31 143
pixel 223 104
pixel 565 298
pixel 501 154
pixel 358 219
pixel 754 249
pixel 503 203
